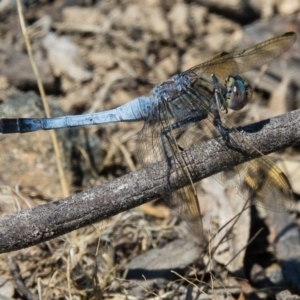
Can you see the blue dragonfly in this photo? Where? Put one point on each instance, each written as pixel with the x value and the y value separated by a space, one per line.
pixel 201 95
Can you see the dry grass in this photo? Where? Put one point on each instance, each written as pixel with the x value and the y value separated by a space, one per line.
pixel 122 46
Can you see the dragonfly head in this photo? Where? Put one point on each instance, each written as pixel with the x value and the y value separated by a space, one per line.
pixel 238 92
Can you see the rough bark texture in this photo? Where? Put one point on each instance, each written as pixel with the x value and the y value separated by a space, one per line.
pixel 45 222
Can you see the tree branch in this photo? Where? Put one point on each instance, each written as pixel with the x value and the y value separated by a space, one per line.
pixel 45 222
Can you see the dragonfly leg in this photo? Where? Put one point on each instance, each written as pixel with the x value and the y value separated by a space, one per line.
pixel 218 104
pixel 167 138
pixel 225 133
pixel 219 92
pixel 169 143
pixel 184 122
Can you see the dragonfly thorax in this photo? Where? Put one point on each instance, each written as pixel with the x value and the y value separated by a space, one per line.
pixel 238 92
pixel 181 81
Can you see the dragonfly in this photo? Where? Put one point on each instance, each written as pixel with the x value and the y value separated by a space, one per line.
pixel 200 96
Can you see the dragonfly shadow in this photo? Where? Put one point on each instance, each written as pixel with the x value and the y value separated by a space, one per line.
pixel 254 128
pixel 292 266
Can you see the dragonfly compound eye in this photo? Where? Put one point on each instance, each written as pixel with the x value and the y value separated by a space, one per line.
pixel 238 92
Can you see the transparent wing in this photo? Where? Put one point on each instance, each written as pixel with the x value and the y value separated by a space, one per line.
pixel 260 181
pixel 241 61
pixel 155 136
pixel 260 184
pixel 169 147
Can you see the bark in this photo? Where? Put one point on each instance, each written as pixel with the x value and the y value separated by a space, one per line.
pixel 45 222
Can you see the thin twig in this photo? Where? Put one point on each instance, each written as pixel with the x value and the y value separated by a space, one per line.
pixel 21 287
pixel 63 180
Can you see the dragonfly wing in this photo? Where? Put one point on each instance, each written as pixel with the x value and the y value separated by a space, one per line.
pixel 259 181
pixel 186 203
pixel 184 200
pixel 149 149
pixel 164 147
pixel 238 62
pixel 265 185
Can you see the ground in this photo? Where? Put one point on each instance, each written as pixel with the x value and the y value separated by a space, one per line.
pixel 97 55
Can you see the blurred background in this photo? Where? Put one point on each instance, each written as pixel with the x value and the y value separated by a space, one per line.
pixel 97 55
